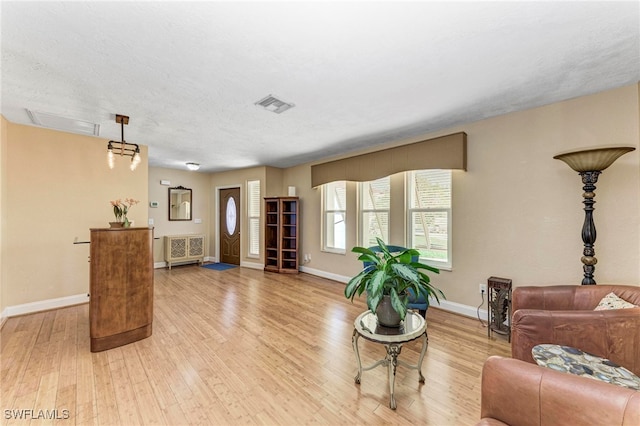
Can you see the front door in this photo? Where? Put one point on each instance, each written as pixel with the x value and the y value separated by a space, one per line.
pixel 230 226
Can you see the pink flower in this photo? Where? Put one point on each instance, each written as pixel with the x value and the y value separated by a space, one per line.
pixel 120 209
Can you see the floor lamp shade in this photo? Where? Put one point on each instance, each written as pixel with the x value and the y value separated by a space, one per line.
pixel 589 160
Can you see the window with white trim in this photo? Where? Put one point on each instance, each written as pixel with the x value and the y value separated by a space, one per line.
pixel 334 212
pixel 429 215
pixel 374 205
pixel 254 202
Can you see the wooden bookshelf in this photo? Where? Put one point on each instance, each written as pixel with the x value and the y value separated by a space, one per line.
pixel 281 234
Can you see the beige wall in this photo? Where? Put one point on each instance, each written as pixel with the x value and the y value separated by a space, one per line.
pixel 238 178
pixel 3 210
pixel 638 165
pixel 274 186
pixel 200 184
pixel 58 187
pixel 517 211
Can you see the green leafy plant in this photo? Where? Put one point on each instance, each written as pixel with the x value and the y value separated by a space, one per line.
pixel 393 274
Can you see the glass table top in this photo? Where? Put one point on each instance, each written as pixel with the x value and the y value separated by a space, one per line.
pixel 413 326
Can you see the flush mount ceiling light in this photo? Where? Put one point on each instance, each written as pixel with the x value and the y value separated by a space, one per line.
pixel 193 166
pixel 123 148
pixel 274 104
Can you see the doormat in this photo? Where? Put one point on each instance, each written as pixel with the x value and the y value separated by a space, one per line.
pixel 218 266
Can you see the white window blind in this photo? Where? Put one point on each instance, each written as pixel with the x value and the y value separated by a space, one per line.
pixel 254 203
pixel 334 197
pixel 375 202
pixel 429 214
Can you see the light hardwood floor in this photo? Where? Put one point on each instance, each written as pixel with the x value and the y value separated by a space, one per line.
pixel 239 346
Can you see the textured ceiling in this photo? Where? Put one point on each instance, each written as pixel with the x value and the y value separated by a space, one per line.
pixel 359 73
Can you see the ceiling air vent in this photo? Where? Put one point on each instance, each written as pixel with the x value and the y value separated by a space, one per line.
pixel 57 122
pixel 274 104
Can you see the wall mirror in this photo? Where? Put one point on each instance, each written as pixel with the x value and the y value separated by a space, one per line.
pixel 180 200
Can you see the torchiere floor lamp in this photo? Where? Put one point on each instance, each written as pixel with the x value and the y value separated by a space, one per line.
pixel 589 163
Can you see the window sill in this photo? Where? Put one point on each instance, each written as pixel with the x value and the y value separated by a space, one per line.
pixel 334 251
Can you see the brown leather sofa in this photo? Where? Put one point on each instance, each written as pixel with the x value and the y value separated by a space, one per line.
pixel 564 315
pixel 517 393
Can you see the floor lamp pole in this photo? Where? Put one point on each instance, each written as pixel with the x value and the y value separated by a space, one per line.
pixel 588 259
pixel 589 164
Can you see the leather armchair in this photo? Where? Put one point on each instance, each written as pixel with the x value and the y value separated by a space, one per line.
pixel 564 315
pixel 517 393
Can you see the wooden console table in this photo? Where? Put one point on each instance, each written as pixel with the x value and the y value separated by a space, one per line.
pixel 121 286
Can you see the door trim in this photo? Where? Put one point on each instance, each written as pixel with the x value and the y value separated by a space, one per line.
pixel 216 219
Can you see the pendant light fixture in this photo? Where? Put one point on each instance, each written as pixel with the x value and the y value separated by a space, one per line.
pixel 123 148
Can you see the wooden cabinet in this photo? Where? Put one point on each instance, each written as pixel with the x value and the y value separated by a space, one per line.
pixel 183 248
pixel 121 286
pixel 281 234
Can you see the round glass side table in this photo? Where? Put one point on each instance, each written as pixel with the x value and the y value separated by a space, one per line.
pixel 413 327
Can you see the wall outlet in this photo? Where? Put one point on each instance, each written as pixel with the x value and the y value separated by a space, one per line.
pixel 482 288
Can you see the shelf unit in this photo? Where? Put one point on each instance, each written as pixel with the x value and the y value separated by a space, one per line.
pixel 281 234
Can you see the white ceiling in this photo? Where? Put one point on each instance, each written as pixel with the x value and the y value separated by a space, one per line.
pixel 359 73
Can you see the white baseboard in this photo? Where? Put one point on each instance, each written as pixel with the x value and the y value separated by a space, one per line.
pixel 252 265
pixel 324 274
pixel 458 308
pixel 44 305
pixel 160 265
pixel 61 302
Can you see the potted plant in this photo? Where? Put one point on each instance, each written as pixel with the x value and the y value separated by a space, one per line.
pixel 120 210
pixel 389 280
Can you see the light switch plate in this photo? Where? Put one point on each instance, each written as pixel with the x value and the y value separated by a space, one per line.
pixel 197 220
pixel 153 204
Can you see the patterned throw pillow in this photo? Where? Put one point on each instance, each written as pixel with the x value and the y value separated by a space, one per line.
pixel 611 301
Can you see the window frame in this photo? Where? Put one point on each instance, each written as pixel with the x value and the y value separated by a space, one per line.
pixel 362 211
pixel 409 187
pixel 253 219
pixel 325 213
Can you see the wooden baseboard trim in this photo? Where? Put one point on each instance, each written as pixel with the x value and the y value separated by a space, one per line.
pixel 99 344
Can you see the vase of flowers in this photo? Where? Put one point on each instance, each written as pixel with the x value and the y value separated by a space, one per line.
pixel 120 210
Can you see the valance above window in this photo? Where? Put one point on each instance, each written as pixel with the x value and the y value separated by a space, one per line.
pixel 445 152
